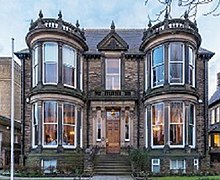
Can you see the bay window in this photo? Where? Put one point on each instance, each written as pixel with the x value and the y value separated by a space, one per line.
pixel 69 124
pixel 68 121
pixel 158 66
pixel 113 74
pixel 50 123
pixel 69 66
pixel 170 122
pixel 170 63
pixel 50 62
pixel 157 112
pixel 35 66
pixel 176 123
pixel 176 63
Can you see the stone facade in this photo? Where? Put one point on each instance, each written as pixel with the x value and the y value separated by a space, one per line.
pixel 5 88
pixel 118 93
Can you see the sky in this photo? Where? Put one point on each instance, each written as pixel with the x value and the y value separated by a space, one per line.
pixel 16 15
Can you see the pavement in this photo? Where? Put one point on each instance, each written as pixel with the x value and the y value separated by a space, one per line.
pixel 71 178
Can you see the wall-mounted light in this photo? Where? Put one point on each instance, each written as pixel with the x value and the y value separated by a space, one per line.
pixel 200 101
pixel 27 100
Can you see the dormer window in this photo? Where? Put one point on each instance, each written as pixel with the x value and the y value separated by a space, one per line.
pixel 50 62
pixel 113 74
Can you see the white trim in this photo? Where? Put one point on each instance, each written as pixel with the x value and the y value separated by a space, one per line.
pixel 152 67
pixel 35 78
pixel 183 124
pixel 176 62
pixel 33 126
pixel 73 66
pixel 177 168
pixel 146 73
pixel 152 136
pixel 43 62
pixel 155 164
pixel 75 125
pixel 116 74
pixel 43 123
pixel 192 65
pixel 146 129
pixel 196 163
pixel 194 126
pixel 81 129
pixel 81 74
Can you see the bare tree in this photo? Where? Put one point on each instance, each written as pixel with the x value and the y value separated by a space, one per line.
pixel 191 8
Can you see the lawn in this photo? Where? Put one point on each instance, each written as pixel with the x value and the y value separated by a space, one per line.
pixel 187 178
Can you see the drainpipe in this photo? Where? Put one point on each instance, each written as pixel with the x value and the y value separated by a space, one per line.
pixel 87 103
pixel 138 103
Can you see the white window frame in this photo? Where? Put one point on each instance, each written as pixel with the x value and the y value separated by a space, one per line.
pixel 152 135
pixel 217 118
pixel 97 125
pixel 75 126
pixel 129 126
pixel 192 65
pixel 43 123
pixel 35 65
pixel 194 126
pixel 176 62
pixel 45 168
pixel 161 64
pixel 212 114
pixel 81 74
pixel 146 71
pixel 81 129
pixel 146 129
pixel 106 74
pixel 176 169
pixel 57 61
pixel 183 124
pixel 196 164
pixel 34 105
pixel 74 65
pixel 155 164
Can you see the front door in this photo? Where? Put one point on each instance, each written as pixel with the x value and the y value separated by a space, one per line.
pixel 113 132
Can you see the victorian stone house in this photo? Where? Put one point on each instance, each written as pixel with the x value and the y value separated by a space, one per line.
pixel 115 89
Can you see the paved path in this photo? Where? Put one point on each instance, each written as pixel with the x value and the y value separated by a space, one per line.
pixel 111 178
pixel 71 178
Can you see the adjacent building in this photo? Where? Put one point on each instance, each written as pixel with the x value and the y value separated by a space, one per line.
pixel 115 89
pixel 5 88
pixel 214 126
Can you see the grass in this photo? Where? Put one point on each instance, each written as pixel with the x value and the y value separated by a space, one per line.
pixel 187 178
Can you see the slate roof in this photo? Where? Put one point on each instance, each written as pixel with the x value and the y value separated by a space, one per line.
pixel 215 97
pixel 133 37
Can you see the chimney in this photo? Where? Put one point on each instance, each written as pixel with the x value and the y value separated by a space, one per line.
pixel 218 80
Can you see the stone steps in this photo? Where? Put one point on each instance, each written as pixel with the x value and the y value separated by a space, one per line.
pixel 112 164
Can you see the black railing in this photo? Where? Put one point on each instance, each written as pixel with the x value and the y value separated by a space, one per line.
pixel 113 94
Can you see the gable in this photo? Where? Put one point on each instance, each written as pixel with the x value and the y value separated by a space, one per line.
pixel 112 41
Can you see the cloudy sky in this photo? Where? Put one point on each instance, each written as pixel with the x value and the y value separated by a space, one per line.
pixel 15 17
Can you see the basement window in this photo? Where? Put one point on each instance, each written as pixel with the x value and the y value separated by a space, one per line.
pixel 49 166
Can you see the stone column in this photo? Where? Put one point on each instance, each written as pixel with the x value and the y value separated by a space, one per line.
pixel 60 128
pixel 78 126
pixel 103 130
pixel 40 125
pixel 122 128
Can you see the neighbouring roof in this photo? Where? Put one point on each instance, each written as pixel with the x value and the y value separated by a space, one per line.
pixel 215 97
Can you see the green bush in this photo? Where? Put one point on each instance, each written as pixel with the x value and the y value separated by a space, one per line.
pixel 139 159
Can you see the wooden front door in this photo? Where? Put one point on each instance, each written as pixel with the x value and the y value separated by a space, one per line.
pixel 113 132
